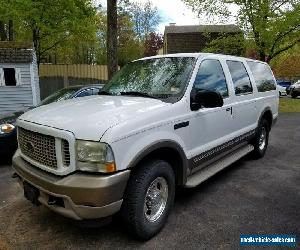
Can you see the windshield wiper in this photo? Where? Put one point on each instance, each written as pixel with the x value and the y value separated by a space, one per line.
pixel 135 93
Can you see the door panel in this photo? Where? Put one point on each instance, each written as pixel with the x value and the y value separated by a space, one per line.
pixel 244 106
pixel 210 127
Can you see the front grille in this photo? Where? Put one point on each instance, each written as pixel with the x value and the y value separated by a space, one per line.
pixel 65 153
pixel 38 147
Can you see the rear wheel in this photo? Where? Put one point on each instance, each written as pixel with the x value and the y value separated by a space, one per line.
pixel 293 95
pixel 148 198
pixel 261 139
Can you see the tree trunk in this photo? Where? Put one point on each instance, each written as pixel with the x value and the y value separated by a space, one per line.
pixel 3 36
pixel 262 55
pixel 10 30
pixel 268 59
pixel 36 44
pixel 112 38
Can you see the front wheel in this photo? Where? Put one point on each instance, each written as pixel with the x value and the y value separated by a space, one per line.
pixel 261 139
pixel 148 198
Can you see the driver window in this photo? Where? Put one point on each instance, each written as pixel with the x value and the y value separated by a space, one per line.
pixel 211 77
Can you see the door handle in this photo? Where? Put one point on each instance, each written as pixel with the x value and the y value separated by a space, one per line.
pixel 181 125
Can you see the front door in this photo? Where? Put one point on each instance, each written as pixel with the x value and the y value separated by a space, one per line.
pixel 210 127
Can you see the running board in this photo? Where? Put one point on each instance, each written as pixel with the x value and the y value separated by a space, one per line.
pixel 203 174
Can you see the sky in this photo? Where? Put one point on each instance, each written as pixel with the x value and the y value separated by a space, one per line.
pixel 174 11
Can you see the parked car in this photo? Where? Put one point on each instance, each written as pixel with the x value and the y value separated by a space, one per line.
pixel 8 134
pixel 282 90
pixel 295 90
pixel 160 122
pixel 283 83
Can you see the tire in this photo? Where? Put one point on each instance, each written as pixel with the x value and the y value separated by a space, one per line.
pixel 140 216
pixel 279 93
pixel 261 139
pixel 293 95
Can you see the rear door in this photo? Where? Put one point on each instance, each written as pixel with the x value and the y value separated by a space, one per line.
pixel 244 104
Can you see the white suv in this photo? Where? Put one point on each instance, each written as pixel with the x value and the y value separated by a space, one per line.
pixel 160 122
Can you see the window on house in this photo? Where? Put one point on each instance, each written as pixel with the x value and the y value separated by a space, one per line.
pixel 9 77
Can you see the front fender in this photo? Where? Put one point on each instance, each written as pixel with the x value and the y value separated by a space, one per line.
pixel 129 151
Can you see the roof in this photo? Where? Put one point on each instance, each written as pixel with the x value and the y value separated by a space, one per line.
pixel 198 55
pixel 228 28
pixel 16 52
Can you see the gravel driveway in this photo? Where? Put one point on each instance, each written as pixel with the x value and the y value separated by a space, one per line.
pixel 261 196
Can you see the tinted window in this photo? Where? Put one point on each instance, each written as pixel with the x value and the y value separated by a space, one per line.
pixel 240 77
pixel 210 76
pixel 263 76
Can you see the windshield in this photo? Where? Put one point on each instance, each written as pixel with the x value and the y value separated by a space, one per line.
pixel 60 95
pixel 162 78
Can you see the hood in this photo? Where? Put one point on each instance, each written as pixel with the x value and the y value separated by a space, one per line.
pixel 89 117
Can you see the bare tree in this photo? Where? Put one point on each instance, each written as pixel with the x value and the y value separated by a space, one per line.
pixel 112 37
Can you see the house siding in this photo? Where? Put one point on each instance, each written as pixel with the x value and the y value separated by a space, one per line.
pixel 14 98
pixel 188 42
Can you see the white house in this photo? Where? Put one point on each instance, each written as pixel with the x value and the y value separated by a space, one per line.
pixel 19 82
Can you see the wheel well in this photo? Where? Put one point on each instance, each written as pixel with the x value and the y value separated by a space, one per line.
pixel 170 155
pixel 269 117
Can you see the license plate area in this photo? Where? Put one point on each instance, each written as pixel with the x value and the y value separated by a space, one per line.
pixel 31 193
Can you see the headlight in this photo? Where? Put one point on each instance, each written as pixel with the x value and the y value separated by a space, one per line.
pixel 6 128
pixel 95 157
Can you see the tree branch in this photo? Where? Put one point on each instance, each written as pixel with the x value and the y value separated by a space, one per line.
pixel 285 48
pixel 282 35
pixel 53 45
pixel 279 6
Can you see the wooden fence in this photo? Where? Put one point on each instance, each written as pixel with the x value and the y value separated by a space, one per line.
pixel 54 77
pixel 83 71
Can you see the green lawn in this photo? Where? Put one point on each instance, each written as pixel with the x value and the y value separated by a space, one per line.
pixel 289 105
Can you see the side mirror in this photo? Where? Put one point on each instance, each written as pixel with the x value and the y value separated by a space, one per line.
pixel 206 99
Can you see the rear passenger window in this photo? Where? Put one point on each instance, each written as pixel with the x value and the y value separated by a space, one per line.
pixel 240 78
pixel 263 76
pixel 211 77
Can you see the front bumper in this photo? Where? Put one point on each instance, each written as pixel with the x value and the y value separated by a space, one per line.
pixel 84 196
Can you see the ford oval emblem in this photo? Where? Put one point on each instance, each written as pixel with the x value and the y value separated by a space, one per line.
pixel 30 146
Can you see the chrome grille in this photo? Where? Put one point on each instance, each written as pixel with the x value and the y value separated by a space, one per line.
pixel 65 153
pixel 38 147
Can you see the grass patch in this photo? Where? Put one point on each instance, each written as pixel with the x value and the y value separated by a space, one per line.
pixel 289 105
